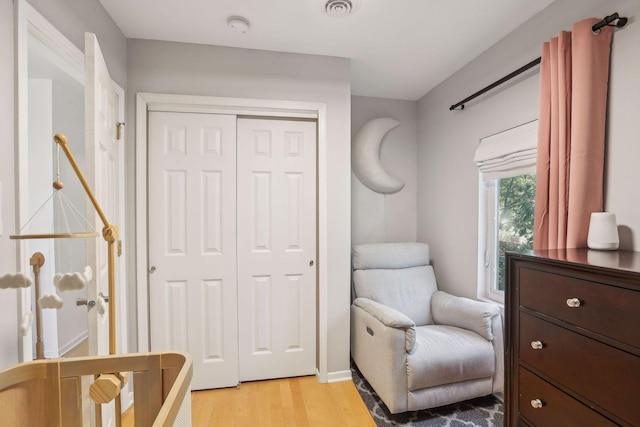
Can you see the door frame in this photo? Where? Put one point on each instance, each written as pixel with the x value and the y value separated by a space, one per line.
pixel 28 21
pixel 146 102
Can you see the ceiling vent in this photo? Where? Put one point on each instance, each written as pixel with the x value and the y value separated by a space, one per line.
pixel 340 7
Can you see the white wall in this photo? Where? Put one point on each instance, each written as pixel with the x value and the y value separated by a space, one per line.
pixel 377 217
pixel 8 297
pixel 71 254
pixel 190 69
pixel 39 189
pixel 447 176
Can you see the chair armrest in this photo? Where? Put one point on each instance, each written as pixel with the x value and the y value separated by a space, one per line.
pixel 380 353
pixel 385 314
pixel 390 318
pixel 464 313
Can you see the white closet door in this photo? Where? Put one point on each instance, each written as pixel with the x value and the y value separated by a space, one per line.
pixel 276 248
pixel 192 242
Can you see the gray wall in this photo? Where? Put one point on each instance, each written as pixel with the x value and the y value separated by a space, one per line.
pixel 8 297
pixel 392 218
pixel 447 176
pixel 190 69
pixel 75 17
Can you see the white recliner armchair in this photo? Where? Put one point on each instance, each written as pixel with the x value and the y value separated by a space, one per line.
pixel 417 346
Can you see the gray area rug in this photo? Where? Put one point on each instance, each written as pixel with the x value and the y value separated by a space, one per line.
pixel 483 412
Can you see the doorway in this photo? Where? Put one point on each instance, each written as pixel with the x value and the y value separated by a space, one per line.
pixel 51 83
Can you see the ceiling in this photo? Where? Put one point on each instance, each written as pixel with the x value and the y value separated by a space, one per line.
pixel 399 49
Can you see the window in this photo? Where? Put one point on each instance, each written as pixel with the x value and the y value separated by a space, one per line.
pixel 509 226
pixel 506 203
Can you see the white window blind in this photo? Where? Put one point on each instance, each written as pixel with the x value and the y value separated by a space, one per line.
pixel 509 153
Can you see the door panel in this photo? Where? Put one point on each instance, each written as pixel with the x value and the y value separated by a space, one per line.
pixel 101 114
pixel 192 242
pixel 276 248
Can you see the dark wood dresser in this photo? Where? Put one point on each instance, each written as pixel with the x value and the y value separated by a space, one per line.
pixel 573 338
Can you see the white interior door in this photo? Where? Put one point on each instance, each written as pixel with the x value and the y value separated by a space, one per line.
pixel 192 242
pixel 276 248
pixel 101 116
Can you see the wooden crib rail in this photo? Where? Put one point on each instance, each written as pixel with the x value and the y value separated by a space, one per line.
pixel 48 392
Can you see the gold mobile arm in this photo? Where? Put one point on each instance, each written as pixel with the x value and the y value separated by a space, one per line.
pixel 106 387
pixel 109 233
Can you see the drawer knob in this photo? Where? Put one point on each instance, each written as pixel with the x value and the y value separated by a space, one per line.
pixel 536 403
pixel 536 345
pixel 573 302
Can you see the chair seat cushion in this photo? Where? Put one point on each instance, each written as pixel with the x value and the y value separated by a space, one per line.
pixel 447 354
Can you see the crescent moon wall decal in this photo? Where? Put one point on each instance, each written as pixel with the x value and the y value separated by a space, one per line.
pixel 365 156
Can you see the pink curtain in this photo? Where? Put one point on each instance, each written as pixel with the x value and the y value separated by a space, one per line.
pixel 574 74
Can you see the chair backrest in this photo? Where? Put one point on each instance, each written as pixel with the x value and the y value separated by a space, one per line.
pixel 397 275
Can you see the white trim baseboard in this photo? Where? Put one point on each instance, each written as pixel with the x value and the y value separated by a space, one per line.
pixel 74 342
pixel 338 376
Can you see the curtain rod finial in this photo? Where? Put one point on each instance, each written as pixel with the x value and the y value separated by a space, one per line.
pixel 607 21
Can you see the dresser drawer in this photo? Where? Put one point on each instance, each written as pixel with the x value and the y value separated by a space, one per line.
pixel 606 310
pixel 602 374
pixel 558 408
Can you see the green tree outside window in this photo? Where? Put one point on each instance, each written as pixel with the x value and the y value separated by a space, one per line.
pixel 515 229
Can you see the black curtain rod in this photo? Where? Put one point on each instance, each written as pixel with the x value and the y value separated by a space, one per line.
pixel 496 83
pixel 607 21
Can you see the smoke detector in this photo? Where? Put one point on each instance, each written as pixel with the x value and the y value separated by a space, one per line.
pixel 339 8
pixel 238 24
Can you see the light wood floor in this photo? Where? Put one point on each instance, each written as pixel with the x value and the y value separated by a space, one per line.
pixel 81 350
pixel 289 402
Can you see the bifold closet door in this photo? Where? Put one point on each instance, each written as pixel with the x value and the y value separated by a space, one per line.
pixel 276 180
pixel 192 242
